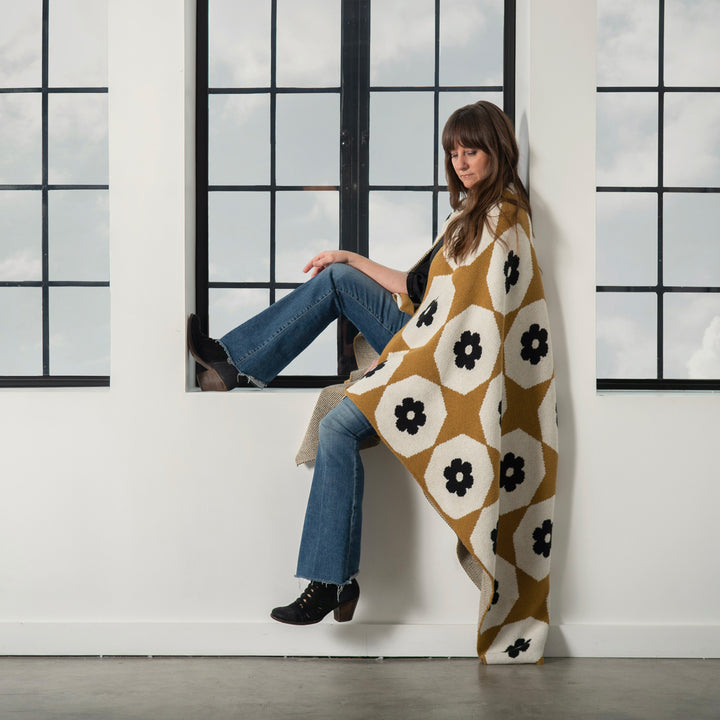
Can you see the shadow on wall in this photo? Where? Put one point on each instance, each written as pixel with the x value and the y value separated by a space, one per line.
pixel 548 245
pixel 390 563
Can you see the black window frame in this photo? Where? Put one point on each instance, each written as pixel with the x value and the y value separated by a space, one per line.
pixel 354 188
pixel 659 383
pixel 47 380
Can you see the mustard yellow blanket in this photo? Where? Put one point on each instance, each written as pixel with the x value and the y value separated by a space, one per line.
pixel 464 395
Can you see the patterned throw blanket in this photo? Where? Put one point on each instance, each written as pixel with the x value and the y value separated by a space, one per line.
pixel 464 396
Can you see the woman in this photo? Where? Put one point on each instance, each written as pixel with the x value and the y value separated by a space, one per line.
pixel 432 376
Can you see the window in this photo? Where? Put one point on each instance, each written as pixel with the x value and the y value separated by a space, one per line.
pixel 318 127
pixel 658 207
pixel 54 279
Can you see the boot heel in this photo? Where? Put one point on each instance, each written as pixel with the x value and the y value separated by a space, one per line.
pixel 345 612
pixel 210 380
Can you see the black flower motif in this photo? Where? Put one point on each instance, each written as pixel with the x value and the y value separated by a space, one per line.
pixel 511 471
pixel 511 271
pixel 467 350
pixel 520 645
pixel 379 366
pixel 427 316
pixel 543 539
pixel 500 413
pixel 534 344
pixel 493 537
pixel 459 477
pixel 410 416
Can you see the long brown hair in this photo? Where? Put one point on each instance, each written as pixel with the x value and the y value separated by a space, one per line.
pixel 482 126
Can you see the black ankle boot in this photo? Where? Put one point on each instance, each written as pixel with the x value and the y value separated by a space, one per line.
pixel 317 601
pixel 219 373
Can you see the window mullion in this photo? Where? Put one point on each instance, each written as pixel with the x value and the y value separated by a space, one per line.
pixel 44 191
pixel 354 125
pixel 202 272
pixel 354 147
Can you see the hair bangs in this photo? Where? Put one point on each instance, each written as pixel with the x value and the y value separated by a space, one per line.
pixel 462 129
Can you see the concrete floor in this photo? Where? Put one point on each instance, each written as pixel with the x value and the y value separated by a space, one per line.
pixel 346 689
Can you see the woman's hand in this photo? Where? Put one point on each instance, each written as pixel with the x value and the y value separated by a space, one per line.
pixel 323 259
pixel 392 280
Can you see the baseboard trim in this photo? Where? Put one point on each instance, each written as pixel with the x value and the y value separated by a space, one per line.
pixel 332 639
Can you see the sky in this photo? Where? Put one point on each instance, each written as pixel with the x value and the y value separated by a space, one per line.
pixel 627 155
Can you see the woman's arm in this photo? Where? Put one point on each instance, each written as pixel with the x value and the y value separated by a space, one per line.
pixel 392 280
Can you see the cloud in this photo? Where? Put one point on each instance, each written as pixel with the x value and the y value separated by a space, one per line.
pixel 627 42
pixel 625 348
pixel 400 230
pixel 20 46
pixel 401 31
pixel 692 51
pixel 78 43
pixel 308 43
pixel 239 40
pixel 20 141
pixel 705 361
pixel 462 20
pixel 692 140
pixel 21 266
pixel 627 139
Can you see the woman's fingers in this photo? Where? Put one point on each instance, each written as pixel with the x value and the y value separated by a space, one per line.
pixel 320 262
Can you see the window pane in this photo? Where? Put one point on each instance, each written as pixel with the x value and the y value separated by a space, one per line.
pixel 308 43
pixel 20 331
pixel 692 51
pixel 307 223
pixel 692 139
pixel 239 236
pixel 444 209
pixel 78 235
pixel 79 331
pixel 78 43
pixel 627 139
pixel 627 239
pixel 230 308
pixel 20 139
pixel 308 139
pixel 78 138
pixel 320 357
pixel 239 139
pixel 20 235
pixel 626 335
pixel 239 43
pixel 402 42
pixel 400 227
pixel 401 151
pixel 471 42
pixel 21 43
pixel 627 42
pixel 691 251
pixel 692 335
pixel 448 102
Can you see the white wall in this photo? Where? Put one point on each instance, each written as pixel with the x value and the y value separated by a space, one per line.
pixel 145 519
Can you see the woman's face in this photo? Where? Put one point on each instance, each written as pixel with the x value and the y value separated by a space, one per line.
pixel 471 165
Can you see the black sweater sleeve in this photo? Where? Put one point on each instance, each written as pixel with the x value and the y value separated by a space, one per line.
pixel 417 277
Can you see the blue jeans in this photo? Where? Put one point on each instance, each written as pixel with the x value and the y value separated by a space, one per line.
pixel 330 545
pixel 261 347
